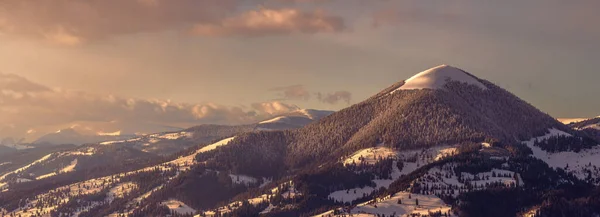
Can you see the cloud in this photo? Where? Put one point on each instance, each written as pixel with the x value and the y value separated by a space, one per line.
pixel 335 97
pixel 10 82
pixel 293 92
pixel 274 108
pixel 73 22
pixel 264 22
pixel 299 92
pixel 27 107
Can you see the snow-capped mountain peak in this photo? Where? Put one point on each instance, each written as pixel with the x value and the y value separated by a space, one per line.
pixel 293 119
pixel 437 77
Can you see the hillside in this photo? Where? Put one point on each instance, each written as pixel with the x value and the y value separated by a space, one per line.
pixel 400 118
pixel 442 143
pixel 293 120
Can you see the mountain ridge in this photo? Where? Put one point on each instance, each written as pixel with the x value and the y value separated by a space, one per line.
pixel 448 148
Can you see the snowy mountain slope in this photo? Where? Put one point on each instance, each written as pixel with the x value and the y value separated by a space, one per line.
pixel 71 136
pixel 293 120
pixel 592 123
pixel 68 161
pixel 571 120
pixel 409 161
pixel 410 204
pixel 178 207
pixel 437 77
pixel 115 186
pixel 412 119
pixel 585 164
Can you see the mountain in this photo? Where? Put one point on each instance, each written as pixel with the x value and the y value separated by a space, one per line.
pixel 125 150
pixel 568 121
pixel 10 145
pixel 71 136
pixel 441 143
pixel 172 142
pixel 593 123
pixel 590 126
pixel 413 114
pixel 293 120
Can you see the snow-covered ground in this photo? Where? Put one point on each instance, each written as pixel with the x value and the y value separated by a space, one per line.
pixel 443 181
pixel 419 157
pixel 186 161
pixel 172 136
pixel 99 184
pixel 437 77
pixel 399 204
pixel 437 181
pixel 120 190
pixel 48 175
pixel 44 158
pixel 578 163
pixel 178 207
pixel 242 179
pixel 70 167
pixel 121 141
pixel 22 180
pixel 281 119
pixel 412 160
pixel 153 138
pixel 83 152
pixel 371 156
pixel 286 190
pixel 215 145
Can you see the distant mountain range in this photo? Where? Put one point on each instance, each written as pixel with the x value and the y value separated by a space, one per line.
pixel 102 151
pixel 441 143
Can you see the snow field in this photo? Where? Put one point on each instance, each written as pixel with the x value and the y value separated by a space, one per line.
pixel 178 207
pixel 582 164
pixel 437 77
pixel 412 160
pixel 399 204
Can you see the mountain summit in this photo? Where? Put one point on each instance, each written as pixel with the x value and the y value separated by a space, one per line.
pixel 437 77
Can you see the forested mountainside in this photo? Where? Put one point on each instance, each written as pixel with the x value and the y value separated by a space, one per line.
pixel 407 119
pixel 50 165
pixel 442 143
pixel 589 123
pixel 45 161
pixel 589 126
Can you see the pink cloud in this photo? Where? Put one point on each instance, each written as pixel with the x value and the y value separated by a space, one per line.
pixel 263 22
pixel 73 22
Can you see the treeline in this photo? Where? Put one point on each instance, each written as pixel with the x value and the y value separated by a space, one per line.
pixel 564 143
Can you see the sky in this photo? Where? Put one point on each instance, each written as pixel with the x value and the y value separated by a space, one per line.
pixel 146 65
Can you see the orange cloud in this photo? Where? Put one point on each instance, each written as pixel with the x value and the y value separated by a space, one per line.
pixel 272 22
pixel 294 92
pixel 74 22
